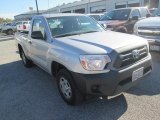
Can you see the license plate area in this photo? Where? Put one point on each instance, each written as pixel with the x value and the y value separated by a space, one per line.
pixel 154 48
pixel 137 74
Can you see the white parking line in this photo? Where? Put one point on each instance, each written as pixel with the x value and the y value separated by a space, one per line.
pixel 2 37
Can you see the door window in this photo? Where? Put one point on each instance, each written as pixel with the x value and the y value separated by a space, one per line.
pixel 144 12
pixel 135 13
pixel 38 26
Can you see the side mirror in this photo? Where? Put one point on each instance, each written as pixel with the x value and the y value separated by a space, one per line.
pixel 37 35
pixel 134 18
pixel 148 15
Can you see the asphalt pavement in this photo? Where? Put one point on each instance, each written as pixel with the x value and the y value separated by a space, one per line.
pixel 31 94
pixel 4 37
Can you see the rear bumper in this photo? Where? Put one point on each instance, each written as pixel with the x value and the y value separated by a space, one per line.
pixel 111 83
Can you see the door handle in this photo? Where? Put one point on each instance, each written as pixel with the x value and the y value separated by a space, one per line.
pixel 29 41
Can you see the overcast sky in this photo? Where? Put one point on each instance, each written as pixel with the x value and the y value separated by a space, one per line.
pixel 10 8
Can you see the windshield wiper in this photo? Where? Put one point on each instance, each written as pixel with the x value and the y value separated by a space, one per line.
pixel 70 34
pixel 64 35
pixel 90 31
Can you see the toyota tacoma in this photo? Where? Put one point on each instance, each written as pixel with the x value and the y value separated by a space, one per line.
pixel 85 59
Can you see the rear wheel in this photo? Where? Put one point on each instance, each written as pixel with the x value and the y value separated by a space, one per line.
pixel 67 88
pixel 27 63
pixel 10 32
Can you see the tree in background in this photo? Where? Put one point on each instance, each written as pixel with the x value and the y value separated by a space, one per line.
pixel 3 20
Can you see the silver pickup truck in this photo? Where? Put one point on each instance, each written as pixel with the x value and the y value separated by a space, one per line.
pixel 150 29
pixel 84 57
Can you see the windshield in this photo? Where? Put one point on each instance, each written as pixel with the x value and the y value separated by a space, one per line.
pixel 8 24
pixel 70 25
pixel 122 14
pixel 158 12
pixel 154 12
pixel 96 17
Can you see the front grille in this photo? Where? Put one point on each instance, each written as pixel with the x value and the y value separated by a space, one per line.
pixel 127 58
pixel 149 31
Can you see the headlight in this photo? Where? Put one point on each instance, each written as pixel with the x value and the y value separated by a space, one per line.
pixel 94 62
pixel 136 29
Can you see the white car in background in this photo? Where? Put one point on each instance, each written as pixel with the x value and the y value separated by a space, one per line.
pixel 23 26
pixel 150 29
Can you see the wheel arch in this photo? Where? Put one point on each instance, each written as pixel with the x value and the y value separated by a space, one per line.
pixel 55 67
pixel 9 30
pixel 20 49
pixel 122 29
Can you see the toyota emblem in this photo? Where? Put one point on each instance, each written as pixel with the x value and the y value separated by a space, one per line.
pixel 135 54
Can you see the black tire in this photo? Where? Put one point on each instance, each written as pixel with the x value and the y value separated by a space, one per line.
pixel 10 32
pixel 75 97
pixel 27 63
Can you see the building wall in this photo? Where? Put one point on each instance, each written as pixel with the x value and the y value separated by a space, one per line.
pixel 91 5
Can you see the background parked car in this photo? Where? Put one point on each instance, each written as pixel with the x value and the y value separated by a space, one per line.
pixel 155 12
pixel 150 29
pixel 123 20
pixel 96 16
pixel 1 27
pixel 23 26
pixel 158 12
pixel 8 28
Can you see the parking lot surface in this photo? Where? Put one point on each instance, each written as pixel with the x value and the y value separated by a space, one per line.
pixel 4 37
pixel 31 94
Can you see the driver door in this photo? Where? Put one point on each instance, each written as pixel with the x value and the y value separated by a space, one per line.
pixel 39 46
pixel 132 22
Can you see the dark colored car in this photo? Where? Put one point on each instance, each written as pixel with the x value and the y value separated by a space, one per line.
pixel 123 20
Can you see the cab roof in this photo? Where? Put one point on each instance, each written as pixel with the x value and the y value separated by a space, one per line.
pixel 60 15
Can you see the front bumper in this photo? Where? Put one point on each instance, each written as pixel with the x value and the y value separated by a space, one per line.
pixel 111 83
pixel 154 42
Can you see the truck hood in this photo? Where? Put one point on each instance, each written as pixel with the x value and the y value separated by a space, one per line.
pixel 149 22
pixel 100 42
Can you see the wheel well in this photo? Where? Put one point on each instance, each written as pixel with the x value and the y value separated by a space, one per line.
pixel 9 29
pixel 55 67
pixel 20 48
pixel 122 29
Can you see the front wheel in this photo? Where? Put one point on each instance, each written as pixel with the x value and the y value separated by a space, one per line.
pixel 10 32
pixel 27 63
pixel 67 88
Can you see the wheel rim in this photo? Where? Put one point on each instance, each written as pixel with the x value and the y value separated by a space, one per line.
pixel 65 88
pixel 23 58
pixel 10 32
